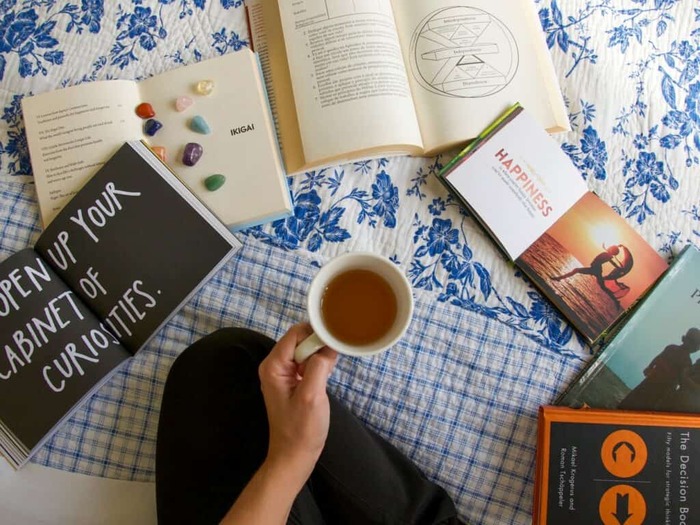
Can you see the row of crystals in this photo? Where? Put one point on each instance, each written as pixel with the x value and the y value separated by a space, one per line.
pixel 145 110
pixel 197 124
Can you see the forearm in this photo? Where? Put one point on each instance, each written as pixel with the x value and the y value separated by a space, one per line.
pixel 268 497
pixel 299 414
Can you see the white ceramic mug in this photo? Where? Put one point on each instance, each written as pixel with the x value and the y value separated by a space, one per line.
pixel 343 263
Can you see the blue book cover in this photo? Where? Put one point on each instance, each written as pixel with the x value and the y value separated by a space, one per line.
pixel 653 362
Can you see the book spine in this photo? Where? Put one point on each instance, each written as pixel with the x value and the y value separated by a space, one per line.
pixel 474 145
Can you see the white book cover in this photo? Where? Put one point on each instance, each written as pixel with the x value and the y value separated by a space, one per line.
pixel 519 182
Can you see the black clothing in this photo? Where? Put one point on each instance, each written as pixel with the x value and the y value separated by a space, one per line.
pixel 213 436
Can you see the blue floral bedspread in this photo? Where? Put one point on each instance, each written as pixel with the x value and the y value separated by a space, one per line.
pixel 630 74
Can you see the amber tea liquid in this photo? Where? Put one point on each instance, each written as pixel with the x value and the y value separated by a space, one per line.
pixel 358 307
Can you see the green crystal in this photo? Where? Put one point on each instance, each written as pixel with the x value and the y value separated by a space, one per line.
pixel 214 182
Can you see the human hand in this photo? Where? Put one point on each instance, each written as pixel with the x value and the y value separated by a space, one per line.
pixel 297 404
pixel 299 414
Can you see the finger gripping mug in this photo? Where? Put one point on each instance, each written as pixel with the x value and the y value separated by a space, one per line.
pixel 359 304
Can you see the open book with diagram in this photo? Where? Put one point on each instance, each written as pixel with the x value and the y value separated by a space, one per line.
pixel 362 78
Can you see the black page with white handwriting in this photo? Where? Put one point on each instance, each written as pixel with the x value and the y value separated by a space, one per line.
pixel 54 350
pixel 135 244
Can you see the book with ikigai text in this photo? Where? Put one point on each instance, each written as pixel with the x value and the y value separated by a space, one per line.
pixel 217 107
pixel 532 200
pixel 615 467
pixel 114 265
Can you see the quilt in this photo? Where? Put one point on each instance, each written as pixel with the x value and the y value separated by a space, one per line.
pixel 460 393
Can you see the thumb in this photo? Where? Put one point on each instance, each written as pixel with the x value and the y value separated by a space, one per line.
pixel 318 367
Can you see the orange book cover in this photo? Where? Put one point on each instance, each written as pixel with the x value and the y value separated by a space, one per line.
pixel 615 467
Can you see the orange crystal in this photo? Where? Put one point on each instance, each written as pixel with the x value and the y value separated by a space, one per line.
pixel 145 110
pixel 159 151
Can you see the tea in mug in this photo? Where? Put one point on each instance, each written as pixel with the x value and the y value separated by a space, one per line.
pixel 358 307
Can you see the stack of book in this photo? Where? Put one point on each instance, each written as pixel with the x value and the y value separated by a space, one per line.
pixel 623 447
pixel 647 377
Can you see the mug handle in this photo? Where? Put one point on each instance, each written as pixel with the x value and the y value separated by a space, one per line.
pixel 307 348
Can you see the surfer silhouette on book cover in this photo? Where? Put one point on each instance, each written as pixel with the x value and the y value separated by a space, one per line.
pixel 662 378
pixel 621 260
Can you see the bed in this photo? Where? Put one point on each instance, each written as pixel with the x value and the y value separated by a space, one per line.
pixel 460 393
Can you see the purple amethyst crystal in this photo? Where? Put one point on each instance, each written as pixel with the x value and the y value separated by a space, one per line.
pixel 193 152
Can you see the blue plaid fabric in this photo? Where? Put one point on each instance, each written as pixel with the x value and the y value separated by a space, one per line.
pixel 459 394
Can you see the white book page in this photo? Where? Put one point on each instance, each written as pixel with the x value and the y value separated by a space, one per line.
pixel 519 182
pixel 267 40
pixel 348 77
pixel 241 144
pixel 71 132
pixel 470 60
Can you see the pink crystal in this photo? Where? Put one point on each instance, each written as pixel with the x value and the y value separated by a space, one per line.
pixel 182 103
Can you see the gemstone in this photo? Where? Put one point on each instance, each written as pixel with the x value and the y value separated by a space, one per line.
pixel 199 125
pixel 159 151
pixel 193 152
pixel 204 87
pixel 182 103
pixel 152 126
pixel 145 110
pixel 214 182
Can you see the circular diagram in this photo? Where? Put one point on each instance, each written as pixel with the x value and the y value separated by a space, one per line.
pixel 463 52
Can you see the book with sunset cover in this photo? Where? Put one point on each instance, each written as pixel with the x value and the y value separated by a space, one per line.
pixel 528 195
pixel 615 467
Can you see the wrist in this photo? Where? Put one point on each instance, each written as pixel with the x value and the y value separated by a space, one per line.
pixel 294 470
pixel 268 496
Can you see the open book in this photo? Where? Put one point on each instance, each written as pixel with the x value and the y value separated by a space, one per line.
pixel 529 196
pixel 380 77
pixel 71 132
pixel 113 266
